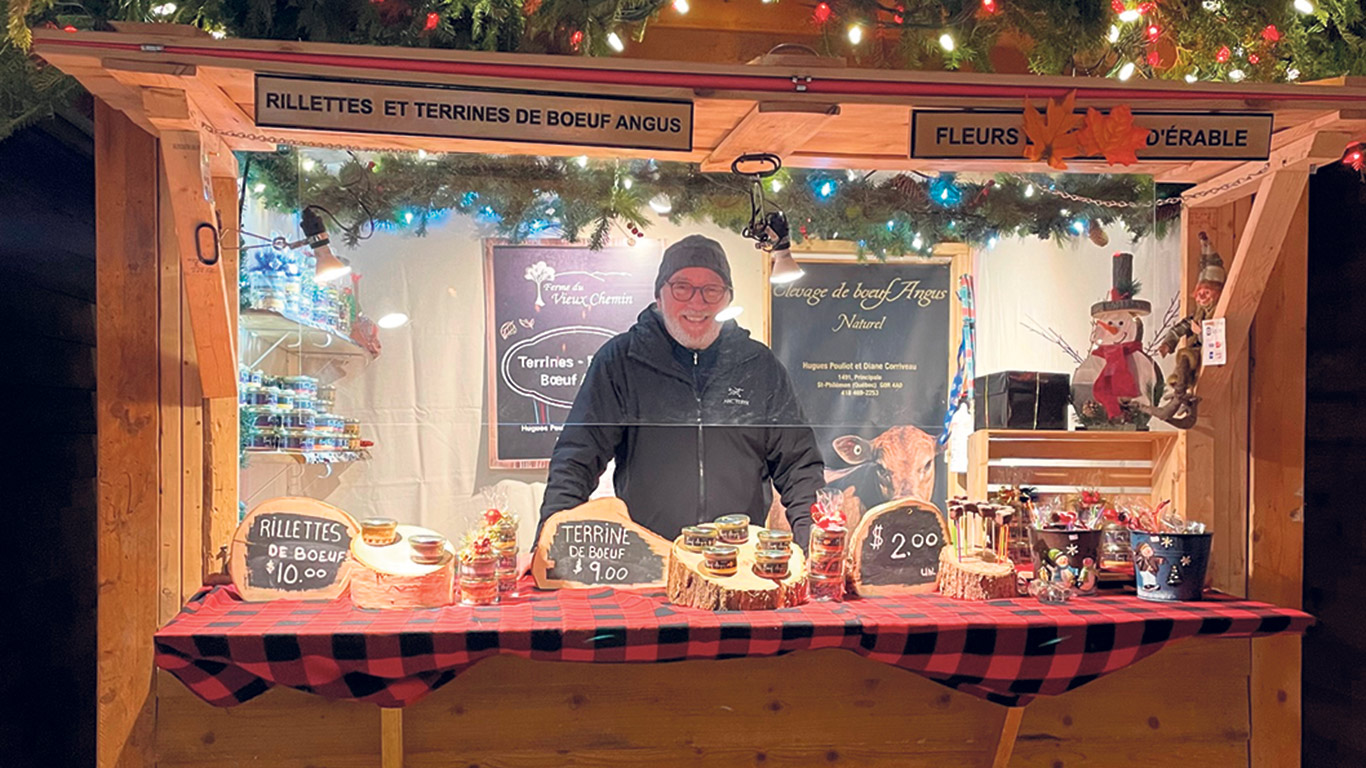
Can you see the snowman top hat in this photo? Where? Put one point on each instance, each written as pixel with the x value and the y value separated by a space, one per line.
pixel 1123 287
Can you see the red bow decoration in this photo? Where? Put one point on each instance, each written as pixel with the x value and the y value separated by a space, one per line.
pixel 492 516
pixel 1115 380
pixel 826 519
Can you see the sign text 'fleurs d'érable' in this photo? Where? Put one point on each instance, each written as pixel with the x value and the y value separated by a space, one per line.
pixel 1000 135
pixel 420 109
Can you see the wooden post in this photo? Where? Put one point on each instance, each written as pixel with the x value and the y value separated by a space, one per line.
pixel 128 420
pixel 391 738
pixel 1275 568
pixel 220 413
pixel 1009 730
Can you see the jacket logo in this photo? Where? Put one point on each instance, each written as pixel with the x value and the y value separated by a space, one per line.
pixel 734 396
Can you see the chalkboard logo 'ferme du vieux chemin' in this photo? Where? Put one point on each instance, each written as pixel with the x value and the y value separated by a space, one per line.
pixel 863 300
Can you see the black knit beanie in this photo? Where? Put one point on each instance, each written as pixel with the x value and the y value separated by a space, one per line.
pixel 693 251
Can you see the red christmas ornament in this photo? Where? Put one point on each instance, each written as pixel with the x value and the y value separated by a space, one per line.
pixel 576 39
pixel 1154 59
pixel 1154 32
pixel 822 13
pixel 989 6
pixel 1222 55
pixel 492 516
pixel 1117 6
pixel 1355 157
pixel 432 20
pixel 1271 34
pixel 1146 8
pixel 68 28
pixel 1253 58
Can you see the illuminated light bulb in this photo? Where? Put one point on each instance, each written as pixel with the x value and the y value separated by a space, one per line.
pixel 1065 212
pixel 1126 71
pixel 917 243
pixel 309 164
pixel 626 182
pixel 1236 75
pixel 775 185
pixel 217 34
pixel 1029 191
pixel 1292 74
pixel 989 6
pixel 1190 78
pixel 392 320
pixel 729 313
pixel 614 42
pixel 1130 16
pixel 165 9
pixel 992 241
pixel 259 188
pixel 408 217
pixel 851 174
pixel 826 189
pixel 682 6
pixel 582 161
pixel 946 42
pixel 1079 226
pixel 1114 34
pixel 822 13
pixel 422 154
pixel 1303 6
pixel 855 34
pixel 661 204
pixel 891 225
pixel 550 211
pixel 1154 31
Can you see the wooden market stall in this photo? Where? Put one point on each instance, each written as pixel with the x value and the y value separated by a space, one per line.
pixel 173 105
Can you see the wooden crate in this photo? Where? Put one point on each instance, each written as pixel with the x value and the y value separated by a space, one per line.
pixel 1117 463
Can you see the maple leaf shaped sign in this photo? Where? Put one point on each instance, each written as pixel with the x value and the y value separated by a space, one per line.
pixel 1115 136
pixel 1053 139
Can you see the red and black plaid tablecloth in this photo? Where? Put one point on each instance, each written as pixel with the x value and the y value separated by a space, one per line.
pixel 1008 651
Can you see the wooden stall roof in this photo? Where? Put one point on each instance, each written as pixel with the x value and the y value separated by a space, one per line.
pixel 781 104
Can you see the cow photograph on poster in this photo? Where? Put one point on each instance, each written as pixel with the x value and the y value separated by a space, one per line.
pixel 550 307
pixel 867 348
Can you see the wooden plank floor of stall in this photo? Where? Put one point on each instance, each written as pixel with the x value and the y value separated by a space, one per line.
pixel 1188 705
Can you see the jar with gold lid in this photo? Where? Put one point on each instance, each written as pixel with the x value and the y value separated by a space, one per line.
pixel 722 559
pixel 698 537
pixel 379 531
pixel 772 563
pixel 771 538
pixel 733 529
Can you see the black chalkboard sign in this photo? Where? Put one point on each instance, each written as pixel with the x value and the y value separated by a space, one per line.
pixel 899 546
pixel 549 307
pixel 287 549
pixel 602 552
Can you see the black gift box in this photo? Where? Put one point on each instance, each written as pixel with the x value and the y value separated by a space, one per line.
pixel 1021 400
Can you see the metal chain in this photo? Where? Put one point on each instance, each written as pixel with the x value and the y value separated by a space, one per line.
pixel 1059 193
pixel 1177 200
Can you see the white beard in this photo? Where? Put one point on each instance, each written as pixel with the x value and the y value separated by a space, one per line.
pixel 701 341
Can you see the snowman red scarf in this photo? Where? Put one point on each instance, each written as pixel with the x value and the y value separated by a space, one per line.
pixel 1115 380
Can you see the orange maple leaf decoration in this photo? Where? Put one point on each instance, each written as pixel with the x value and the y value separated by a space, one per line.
pixel 1053 139
pixel 1115 136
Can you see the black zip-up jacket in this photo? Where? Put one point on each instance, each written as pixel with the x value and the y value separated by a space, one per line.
pixel 686 455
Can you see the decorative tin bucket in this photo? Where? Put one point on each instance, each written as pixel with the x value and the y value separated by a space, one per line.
pixel 1170 566
pixel 1069 556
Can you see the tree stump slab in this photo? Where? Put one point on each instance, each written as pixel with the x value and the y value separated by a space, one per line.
pixel 973 578
pixel 386 577
pixel 691 585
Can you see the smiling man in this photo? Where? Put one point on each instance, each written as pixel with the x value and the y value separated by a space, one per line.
pixel 698 416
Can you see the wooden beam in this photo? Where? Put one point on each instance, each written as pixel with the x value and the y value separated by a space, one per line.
pixel 220 413
pixel 206 282
pixel 1258 248
pixel 128 417
pixel 1010 728
pixel 1301 154
pixel 1276 564
pixel 776 127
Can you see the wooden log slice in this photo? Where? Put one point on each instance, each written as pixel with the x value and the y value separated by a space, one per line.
pixel 974 578
pixel 691 585
pixel 597 544
pixel 387 577
pixel 293 548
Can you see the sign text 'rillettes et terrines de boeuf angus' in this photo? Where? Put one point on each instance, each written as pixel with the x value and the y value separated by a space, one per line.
pixel 964 134
pixel 426 109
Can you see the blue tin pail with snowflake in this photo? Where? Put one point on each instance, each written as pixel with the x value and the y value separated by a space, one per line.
pixel 1170 566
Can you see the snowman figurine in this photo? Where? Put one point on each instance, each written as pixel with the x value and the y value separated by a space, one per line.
pixel 1118 377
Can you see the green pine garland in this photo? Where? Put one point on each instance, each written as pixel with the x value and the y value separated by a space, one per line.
pixel 519 197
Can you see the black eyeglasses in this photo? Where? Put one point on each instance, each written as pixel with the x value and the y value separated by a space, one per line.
pixel 711 294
